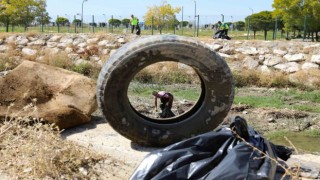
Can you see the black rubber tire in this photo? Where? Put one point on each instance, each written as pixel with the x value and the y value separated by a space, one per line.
pixel 213 105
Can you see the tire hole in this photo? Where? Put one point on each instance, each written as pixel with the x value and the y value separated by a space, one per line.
pixel 178 79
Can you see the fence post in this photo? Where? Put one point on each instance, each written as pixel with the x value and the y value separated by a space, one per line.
pixel 248 27
pixel 275 29
pixel 93 23
pixel 57 22
pixel 174 24
pixel 152 25
pixel 198 26
pixel 182 21
pixel 111 23
pixel 75 24
pixel 41 22
pixel 304 27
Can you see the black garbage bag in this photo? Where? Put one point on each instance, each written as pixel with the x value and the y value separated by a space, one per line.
pixel 220 154
pixel 166 113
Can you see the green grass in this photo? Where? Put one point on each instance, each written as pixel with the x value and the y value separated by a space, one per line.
pixel 280 99
pixel 259 101
pixel 308 141
pixel 189 32
pixel 292 99
pixel 180 92
pixel 312 133
pixel 276 134
pixel 313 96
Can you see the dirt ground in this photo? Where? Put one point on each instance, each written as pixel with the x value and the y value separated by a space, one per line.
pixel 125 156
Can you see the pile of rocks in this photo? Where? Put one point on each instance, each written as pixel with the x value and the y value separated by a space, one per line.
pixel 266 56
pixel 79 48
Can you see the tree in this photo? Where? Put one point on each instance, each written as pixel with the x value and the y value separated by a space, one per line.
pixel 261 21
pixel 115 22
pixel 239 25
pixel 22 12
pixel 125 22
pixel 185 23
pixel 62 21
pixel 77 22
pixel 102 24
pixel 160 15
pixel 299 15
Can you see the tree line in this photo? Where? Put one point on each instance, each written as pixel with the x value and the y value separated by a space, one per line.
pixel 300 17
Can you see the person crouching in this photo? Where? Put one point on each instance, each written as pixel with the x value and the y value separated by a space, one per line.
pixel 166 103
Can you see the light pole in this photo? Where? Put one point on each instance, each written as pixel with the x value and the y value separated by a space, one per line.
pixel 249 23
pixel 181 20
pixel 304 24
pixel 195 15
pixel 275 29
pixel 68 22
pixel 232 22
pixel 222 18
pixel 105 19
pixel 82 15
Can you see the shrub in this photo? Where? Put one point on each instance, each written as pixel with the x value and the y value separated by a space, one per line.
pixel 83 68
pixel 246 78
pixel 7 63
pixel 275 79
pixel 38 152
pixel 60 60
pixel 167 73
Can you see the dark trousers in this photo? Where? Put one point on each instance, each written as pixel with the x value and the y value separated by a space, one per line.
pixel 132 28
pixel 166 108
pixel 226 32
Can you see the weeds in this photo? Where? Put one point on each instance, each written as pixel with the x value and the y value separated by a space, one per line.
pixel 191 93
pixel 256 78
pixel 167 73
pixel 7 63
pixel 38 152
pixel 288 171
pixel 312 133
pixel 83 68
pixel 60 60
pixel 293 99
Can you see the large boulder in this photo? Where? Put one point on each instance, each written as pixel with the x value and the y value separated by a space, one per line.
pixel 63 97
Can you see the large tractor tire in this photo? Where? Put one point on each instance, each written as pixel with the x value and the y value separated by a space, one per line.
pixel 213 105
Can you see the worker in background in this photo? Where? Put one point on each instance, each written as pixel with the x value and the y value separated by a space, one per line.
pixel 223 27
pixel 166 103
pixel 134 23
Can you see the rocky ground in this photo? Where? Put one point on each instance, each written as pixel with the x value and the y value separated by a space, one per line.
pixel 125 156
pixel 100 137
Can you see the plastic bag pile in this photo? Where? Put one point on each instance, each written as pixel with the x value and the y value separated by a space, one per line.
pixel 234 152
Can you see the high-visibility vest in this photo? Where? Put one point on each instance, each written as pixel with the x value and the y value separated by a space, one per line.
pixel 224 26
pixel 134 21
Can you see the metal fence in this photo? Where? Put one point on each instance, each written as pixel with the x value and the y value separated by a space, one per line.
pixel 202 26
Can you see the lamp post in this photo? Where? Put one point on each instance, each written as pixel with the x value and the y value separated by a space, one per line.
pixel 82 15
pixel 249 23
pixel 232 22
pixel 222 20
pixel 304 24
pixel 76 23
pixel 195 15
pixel 275 29
pixel 105 19
pixel 181 20
pixel 68 22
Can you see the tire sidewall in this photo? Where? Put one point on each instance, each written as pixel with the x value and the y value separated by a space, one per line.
pixel 117 74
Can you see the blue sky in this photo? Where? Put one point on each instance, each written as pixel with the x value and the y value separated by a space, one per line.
pixel 209 10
